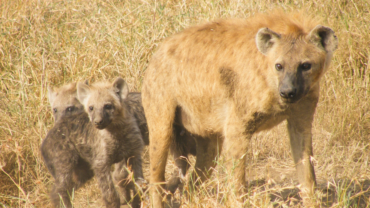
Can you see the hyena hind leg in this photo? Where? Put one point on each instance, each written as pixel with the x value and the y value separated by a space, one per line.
pixel 208 149
pixel 183 144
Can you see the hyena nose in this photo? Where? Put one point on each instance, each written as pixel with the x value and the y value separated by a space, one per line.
pixel 98 122
pixel 288 92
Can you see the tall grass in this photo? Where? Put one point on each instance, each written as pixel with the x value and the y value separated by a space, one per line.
pixel 45 42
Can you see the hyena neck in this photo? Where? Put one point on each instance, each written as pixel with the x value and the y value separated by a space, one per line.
pixel 121 122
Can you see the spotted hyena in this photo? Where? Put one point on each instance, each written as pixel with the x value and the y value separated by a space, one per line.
pixel 58 152
pixel 63 101
pixel 66 107
pixel 228 79
pixel 76 149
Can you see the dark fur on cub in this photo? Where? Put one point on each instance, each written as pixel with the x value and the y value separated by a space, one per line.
pixel 63 159
pixel 74 151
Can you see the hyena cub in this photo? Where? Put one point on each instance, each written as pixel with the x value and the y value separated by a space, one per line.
pixel 63 101
pixel 75 149
pixel 61 157
pixel 119 136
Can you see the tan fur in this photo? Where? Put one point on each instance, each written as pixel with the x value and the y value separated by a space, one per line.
pixel 223 77
pixel 63 101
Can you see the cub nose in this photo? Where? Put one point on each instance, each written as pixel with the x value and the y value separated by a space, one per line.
pixel 98 122
pixel 288 92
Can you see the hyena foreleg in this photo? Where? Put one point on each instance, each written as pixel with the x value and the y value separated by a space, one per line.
pixel 126 183
pixel 62 191
pixel 136 164
pixel 300 136
pixel 120 176
pixel 105 181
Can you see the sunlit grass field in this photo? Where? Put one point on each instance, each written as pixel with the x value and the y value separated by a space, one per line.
pixel 51 42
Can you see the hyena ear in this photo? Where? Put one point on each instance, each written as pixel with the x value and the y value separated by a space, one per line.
pixel 265 39
pixel 324 38
pixel 51 95
pixel 120 88
pixel 83 91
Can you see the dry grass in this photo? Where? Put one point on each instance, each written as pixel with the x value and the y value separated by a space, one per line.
pixel 45 42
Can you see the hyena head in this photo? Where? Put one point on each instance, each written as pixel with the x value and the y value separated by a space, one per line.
pixel 298 60
pixel 103 101
pixel 64 102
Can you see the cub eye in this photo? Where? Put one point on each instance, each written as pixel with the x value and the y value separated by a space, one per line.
pixel 91 108
pixel 108 106
pixel 278 67
pixel 70 109
pixel 55 110
pixel 306 66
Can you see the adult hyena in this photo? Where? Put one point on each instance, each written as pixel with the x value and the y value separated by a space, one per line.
pixel 232 78
pixel 76 149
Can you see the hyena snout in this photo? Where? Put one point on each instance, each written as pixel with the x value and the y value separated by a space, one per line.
pixel 289 89
pixel 288 92
pixel 101 122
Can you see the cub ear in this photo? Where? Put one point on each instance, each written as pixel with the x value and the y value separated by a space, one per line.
pixel 265 39
pixel 51 95
pixel 120 88
pixel 324 38
pixel 83 91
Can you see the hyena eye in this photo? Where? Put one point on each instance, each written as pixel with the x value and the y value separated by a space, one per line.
pixel 278 67
pixel 306 66
pixel 70 109
pixel 91 108
pixel 55 110
pixel 108 106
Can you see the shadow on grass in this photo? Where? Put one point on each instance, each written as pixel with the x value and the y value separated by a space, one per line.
pixel 339 193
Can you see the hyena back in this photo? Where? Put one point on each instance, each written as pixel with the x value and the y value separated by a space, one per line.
pixel 231 79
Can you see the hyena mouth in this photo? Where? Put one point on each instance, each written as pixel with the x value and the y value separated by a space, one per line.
pixel 103 123
pixel 290 100
pixel 101 126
